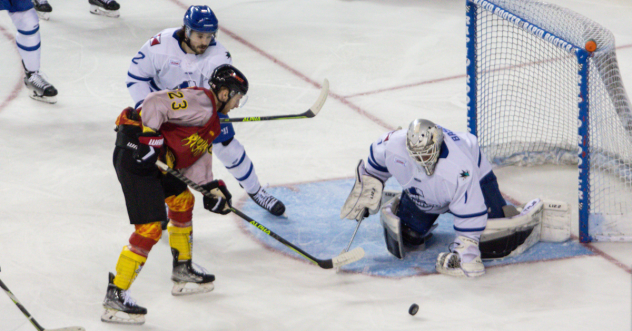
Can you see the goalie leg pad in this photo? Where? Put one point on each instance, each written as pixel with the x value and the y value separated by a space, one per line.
pixel 392 229
pixel 556 221
pixel 506 237
pixel 365 196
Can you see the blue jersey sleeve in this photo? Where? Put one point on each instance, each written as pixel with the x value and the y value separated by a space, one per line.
pixel 16 5
pixel 227 132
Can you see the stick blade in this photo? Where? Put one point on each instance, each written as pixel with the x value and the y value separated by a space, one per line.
pixel 70 328
pixel 348 257
pixel 315 108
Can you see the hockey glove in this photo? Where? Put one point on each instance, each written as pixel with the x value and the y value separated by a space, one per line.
pixel 148 148
pixel 220 202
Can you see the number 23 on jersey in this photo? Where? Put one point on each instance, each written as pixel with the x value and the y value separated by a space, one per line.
pixel 178 104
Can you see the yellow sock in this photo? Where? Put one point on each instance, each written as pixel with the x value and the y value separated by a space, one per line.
pixel 181 239
pixel 127 268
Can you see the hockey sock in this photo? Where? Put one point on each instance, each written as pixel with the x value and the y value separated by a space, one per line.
pixel 127 268
pixel 145 237
pixel 235 159
pixel 181 207
pixel 28 38
pixel 181 239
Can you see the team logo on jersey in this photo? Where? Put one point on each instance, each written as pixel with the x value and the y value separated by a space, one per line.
pixel 175 62
pixel 400 161
pixel 196 143
pixel 155 40
pixel 464 174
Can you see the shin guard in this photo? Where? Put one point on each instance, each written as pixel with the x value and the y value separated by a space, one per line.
pixel 181 239
pixel 127 268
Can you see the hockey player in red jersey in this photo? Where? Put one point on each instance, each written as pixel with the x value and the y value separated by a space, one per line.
pixel 177 127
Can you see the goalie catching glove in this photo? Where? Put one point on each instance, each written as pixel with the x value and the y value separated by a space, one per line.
pixel 364 199
pixel 220 202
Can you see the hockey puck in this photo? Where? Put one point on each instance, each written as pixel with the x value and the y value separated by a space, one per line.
pixel 414 308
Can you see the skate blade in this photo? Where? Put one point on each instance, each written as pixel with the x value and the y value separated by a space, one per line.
pixel 42 98
pixel 179 288
pixel 94 9
pixel 43 15
pixel 110 316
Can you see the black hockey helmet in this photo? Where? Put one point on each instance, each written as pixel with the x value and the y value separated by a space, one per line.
pixel 228 76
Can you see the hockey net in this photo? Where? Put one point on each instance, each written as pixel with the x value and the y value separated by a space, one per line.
pixel 536 96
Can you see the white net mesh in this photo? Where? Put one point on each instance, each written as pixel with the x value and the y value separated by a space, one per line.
pixel 527 101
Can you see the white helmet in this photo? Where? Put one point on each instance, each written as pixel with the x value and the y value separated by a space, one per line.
pixel 423 142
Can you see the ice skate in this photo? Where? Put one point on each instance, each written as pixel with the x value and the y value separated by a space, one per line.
pixel 452 263
pixel 109 8
pixel 42 89
pixel 120 308
pixel 43 9
pixel 268 202
pixel 185 273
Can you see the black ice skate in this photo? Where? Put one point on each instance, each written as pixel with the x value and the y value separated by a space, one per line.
pixel 42 89
pixel 184 273
pixel 268 202
pixel 118 301
pixel 109 8
pixel 43 9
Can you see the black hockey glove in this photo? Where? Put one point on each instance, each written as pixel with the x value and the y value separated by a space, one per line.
pixel 220 202
pixel 148 148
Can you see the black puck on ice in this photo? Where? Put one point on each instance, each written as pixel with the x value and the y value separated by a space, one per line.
pixel 414 308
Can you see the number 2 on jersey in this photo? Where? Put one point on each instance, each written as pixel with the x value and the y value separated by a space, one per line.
pixel 175 105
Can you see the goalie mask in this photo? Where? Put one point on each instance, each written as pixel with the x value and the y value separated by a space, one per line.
pixel 423 142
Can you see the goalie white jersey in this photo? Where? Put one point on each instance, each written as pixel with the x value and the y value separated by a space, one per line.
pixel 162 64
pixel 453 187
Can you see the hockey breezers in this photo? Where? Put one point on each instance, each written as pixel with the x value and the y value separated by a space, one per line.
pixel 340 260
pixel 30 318
pixel 311 112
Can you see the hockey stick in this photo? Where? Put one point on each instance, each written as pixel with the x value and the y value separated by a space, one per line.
pixel 335 262
pixel 30 318
pixel 360 218
pixel 311 112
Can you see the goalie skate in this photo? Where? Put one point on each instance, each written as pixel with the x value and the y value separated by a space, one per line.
pixel 187 280
pixel 41 89
pixel 451 263
pixel 120 308
pixel 109 8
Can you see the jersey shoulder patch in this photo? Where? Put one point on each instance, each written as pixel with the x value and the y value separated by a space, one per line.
pixel 155 40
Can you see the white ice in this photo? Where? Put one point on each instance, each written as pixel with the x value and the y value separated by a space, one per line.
pixel 62 214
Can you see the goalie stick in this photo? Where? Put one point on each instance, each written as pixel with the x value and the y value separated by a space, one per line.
pixel 335 262
pixel 311 112
pixel 30 318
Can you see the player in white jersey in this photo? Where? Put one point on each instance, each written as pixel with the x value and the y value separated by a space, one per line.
pixel 28 41
pixel 441 171
pixel 186 57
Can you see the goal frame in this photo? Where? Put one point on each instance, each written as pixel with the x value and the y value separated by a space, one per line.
pixel 583 101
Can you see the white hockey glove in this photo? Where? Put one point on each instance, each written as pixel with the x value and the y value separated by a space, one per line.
pixel 364 199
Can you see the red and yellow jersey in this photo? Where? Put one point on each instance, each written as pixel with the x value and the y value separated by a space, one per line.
pixel 186 118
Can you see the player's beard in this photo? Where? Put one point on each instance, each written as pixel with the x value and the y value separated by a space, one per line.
pixel 200 49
